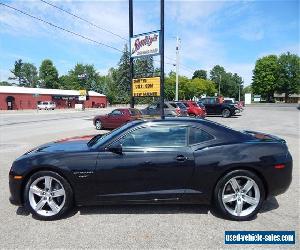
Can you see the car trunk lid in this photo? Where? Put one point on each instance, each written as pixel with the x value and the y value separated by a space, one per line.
pixel 264 137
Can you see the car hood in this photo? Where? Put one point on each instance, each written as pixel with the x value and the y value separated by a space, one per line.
pixel 65 145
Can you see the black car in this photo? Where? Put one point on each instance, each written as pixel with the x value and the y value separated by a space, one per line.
pixel 214 107
pixel 176 160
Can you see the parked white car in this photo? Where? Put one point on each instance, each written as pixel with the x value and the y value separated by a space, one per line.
pixel 46 105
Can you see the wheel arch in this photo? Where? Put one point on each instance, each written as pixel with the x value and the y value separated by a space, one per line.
pixel 44 168
pixel 250 169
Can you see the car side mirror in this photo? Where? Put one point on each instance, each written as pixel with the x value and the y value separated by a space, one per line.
pixel 117 149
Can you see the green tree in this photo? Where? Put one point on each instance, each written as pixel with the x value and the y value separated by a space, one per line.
pixel 25 73
pixel 289 74
pixel 218 75
pixel 17 71
pixel 121 77
pixel 48 75
pixel 110 87
pixel 84 76
pixel 5 83
pixel 143 67
pixel 265 76
pixel 29 75
pixel 200 74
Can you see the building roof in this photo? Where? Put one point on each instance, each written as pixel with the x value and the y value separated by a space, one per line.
pixel 41 91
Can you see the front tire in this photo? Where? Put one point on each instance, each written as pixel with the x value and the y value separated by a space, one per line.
pixel 239 195
pixel 98 125
pixel 226 113
pixel 48 196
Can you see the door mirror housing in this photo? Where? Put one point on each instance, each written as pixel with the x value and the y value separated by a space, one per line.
pixel 117 149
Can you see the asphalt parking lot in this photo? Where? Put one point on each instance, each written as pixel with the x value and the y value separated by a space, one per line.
pixel 140 226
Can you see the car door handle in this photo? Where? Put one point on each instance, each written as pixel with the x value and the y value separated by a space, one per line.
pixel 181 158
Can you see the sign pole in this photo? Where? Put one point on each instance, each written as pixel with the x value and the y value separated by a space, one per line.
pixel 131 59
pixel 162 54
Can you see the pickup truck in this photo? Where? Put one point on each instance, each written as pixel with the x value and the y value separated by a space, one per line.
pixel 215 107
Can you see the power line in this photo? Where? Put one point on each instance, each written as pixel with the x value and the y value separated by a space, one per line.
pixel 61 28
pixel 182 65
pixel 83 19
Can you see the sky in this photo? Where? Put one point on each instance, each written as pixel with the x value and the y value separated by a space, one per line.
pixel 233 34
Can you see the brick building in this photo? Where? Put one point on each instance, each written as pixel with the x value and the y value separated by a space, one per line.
pixel 18 98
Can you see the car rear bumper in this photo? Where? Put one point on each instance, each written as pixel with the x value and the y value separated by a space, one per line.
pixel 279 180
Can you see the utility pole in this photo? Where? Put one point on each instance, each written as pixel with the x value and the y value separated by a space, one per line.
pixel 131 59
pixel 239 92
pixel 162 61
pixel 220 85
pixel 177 66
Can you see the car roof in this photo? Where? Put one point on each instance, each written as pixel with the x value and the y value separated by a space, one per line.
pixel 219 129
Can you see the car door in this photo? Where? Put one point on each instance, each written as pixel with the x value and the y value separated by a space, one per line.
pixel 114 119
pixel 155 164
pixel 218 106
pixel 153 109
pixel 210 106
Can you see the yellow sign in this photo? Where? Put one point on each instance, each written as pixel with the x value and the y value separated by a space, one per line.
pixel 146 86
pixel 82 92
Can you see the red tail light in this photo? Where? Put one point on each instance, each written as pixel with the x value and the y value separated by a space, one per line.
pixel 178 111
pixel 279 166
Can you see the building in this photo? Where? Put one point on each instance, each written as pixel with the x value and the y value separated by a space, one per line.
pixel 293 98
pixel 18 98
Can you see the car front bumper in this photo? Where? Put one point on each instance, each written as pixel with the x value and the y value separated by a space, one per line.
pixel 15 187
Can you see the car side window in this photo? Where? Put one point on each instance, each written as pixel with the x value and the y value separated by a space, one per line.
pixel 156 136
pixel 198 135
pixel 153 106
pixel 116 112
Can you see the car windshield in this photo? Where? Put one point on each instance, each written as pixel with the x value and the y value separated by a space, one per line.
pixel 186 104
pixel 102 138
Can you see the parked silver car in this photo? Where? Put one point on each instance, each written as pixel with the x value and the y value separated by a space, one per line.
pixel 154 110
pixel 46 105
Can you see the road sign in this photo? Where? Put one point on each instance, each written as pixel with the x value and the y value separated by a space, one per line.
pixel 82 92
pixel 145 44
pixel 82 98
pixel 146 87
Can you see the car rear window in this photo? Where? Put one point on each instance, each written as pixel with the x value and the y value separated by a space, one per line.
pixel 198 135
pixel 134 112
pixel 173 105
pixel 194 104
pixel 181 105
pixel 186 104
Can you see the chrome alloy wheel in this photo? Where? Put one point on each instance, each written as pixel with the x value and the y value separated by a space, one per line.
pixel 240 196
pixel 47 196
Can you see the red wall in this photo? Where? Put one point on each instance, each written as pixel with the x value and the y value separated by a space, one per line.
pixel 28 101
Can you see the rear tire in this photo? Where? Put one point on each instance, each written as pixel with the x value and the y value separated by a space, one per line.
pixel 239 195
pixel 192 115
pixel 47 195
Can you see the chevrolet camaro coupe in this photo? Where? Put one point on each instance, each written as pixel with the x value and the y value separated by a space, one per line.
pixel 176 160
